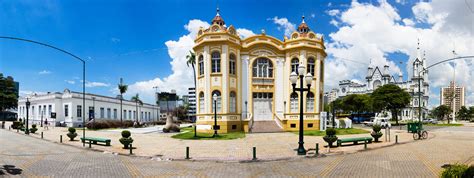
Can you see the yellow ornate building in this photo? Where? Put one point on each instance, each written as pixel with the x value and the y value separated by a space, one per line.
pixel 250 78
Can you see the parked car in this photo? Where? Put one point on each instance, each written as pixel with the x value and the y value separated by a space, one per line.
pixel 383 122
pixel 429 121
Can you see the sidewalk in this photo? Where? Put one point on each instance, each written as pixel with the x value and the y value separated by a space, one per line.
pixel 270 146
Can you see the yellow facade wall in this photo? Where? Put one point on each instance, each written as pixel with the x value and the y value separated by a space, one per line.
pixel 288 123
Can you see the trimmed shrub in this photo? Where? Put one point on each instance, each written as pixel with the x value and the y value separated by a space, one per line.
pixel 330 136
pixel 33 128
pixel 126 133
pixel 376 132
pixel 457 170
pixel 16 125
pixel 105 124
pixel 72 133
pixel 126 140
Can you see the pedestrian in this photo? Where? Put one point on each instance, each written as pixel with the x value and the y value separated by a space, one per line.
pixel 46 124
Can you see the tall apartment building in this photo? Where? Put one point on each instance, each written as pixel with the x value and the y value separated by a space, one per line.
pixel 192 103
pixel 447 96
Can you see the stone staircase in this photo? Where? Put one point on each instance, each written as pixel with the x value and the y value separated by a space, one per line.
pixel 266 127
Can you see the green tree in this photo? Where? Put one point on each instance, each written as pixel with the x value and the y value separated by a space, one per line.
pixel 180 112
pixel 137 101
pixel 357 103
pixel 441 112
pixel 390 97
pixel 471 112
pixel 122 89
pixel 464 113
pixel 8 96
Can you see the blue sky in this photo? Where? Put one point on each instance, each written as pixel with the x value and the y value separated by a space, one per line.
pixel 127 38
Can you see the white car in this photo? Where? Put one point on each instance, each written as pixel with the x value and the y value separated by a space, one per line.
pixel 383 122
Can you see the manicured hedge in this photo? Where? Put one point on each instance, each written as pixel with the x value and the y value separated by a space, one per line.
pixel 104 124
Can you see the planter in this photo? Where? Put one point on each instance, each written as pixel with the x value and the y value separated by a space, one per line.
pixel 71 135
pixel 126 142
pixel 376 135
pixel 330 139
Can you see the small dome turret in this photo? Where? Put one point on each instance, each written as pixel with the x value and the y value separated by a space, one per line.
pixel 218 19
pixel 303 27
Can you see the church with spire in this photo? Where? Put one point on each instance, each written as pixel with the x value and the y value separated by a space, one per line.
pixel 245 81
pixel 377 76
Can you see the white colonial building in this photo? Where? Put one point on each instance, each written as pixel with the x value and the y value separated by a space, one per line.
pixel 377 77
pixel 67 108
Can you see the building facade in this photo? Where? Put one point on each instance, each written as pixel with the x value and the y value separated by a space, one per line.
pixel 453 93
pixel 67 108
pixel 250 78
pixel 377 77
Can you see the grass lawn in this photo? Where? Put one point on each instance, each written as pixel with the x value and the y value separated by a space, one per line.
pixel 188 134
pixel 443 124
pixel 338 132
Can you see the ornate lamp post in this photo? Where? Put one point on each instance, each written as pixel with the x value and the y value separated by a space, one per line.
pixel 294 78
pixel 214 97
pixel 27 131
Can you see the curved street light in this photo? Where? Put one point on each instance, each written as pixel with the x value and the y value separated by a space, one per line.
pixel 426 69
pixel 83 76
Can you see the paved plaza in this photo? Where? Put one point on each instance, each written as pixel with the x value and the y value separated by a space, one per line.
pixel 270 146
pixel 36 157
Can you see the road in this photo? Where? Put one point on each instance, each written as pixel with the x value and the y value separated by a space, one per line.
pixel 22 155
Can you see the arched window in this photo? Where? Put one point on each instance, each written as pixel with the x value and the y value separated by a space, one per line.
pixel 294 102
pixel 219 100
pixel 232 66
pixel 310 67
pixel 310 102
pixel 377 84
pixel 232 102
pixel 201 102
pixel 262 67
pixel 294 65
pixel 216 62
pixel 201 65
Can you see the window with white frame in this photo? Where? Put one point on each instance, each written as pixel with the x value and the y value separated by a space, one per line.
pixel 294 102
pixel 310 102
pixel 233 102
pixel 109 113
pixel 310 66
pixel 115 113
pixel 232 64
pixel 263 67
pixel 201 65
pixel 216 62
pixel 201 102
pixel 294 65
pixel 79 111
pixel 102 113
pixel 66 110
pixel 219 100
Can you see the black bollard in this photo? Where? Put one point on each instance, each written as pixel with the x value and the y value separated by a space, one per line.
pixel 90 144
pixel 365 144
pixel 41 135
pixel 396 138
pixel 317 149
pixel 131 149
pixel 187 152
pixel 254 153
pixel 60 138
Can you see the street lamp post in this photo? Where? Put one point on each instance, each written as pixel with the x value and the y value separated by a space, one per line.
pixel 308 78
pixel 27 131
pixel 214 97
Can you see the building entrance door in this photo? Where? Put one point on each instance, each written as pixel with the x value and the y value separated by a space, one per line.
pixel 262 106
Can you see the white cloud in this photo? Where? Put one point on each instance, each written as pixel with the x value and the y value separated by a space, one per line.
pixel 284 24
pixel 333 12
pixel 181 77
pixel 115 40
pixel 408 22
pixel 70 81
pixel 244 33
pixel 313 15
pixel 96 84
pixel 25 93
pixel 44 72
pixel 334 22
pixel 360 38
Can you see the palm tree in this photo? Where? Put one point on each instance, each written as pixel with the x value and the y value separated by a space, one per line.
pixel 137 101
pixel 122 88
pixel 192 61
